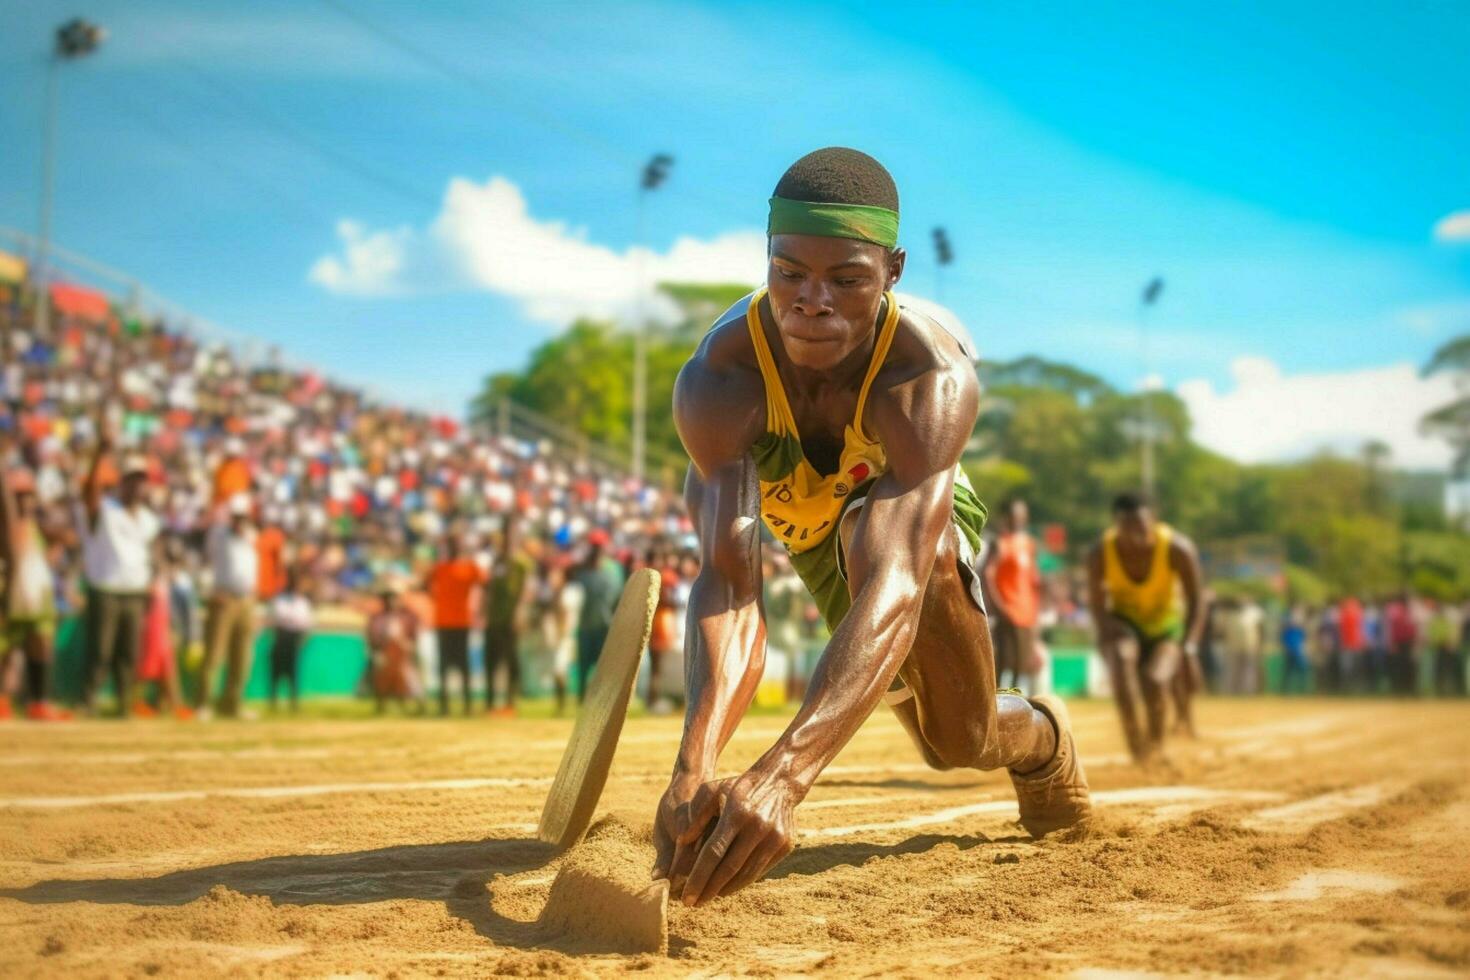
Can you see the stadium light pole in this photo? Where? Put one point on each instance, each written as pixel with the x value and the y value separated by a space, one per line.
pixel 75 39
pixel 1146 433
pixel 943 256
pixel 655 172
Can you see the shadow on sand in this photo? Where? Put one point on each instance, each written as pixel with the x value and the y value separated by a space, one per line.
pixel 461 874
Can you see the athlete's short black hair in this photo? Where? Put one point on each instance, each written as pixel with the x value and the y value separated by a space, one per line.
pixel 1131 502
pixel 838 175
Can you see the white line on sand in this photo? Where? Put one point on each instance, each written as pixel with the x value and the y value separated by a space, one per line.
pixel 1314 884
pixel 266 792
pixel 1135 795
pixel 1319 809
pixel 321 789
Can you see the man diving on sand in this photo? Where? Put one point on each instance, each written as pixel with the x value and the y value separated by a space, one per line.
pixel 835 412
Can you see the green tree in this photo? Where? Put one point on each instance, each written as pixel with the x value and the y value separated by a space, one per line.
pixel 1451 421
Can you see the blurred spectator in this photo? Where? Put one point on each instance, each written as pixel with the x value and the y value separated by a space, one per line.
pixel 121 534
pixel 158 654
pixel 1327 655
pixel 601 582
pixel 1012 580
pixel 1240 637
pixel 291 621
pixel 1352 662
pixel 452 586
pixel 1445 631
pixel 563 613
pixel 1403 640
pixel 1373 663
pixel 664 633
pixel 229 626
pixel 392 642
pixel 1294 651
pixel 29 595
pixel 505 608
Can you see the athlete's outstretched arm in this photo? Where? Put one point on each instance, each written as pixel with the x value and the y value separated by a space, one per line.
pixel 725 639
pixel 925 424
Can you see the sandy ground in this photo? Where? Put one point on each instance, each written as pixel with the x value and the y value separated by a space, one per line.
pixel 1295 838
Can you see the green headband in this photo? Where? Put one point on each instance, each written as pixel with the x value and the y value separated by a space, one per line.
pixel 861 221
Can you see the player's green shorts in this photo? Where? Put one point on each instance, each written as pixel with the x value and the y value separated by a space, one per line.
pixel 1149 640
pixel 823 569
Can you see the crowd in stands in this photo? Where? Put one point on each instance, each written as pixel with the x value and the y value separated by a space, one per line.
pixel 1400 644
pixel 166 482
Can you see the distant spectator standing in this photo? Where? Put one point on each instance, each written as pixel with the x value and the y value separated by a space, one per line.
pixel 291 621
pixel 392 641
pixel 1445 631
pixel 120 536
pixel 1294 650
pixel 1351 666
pixel 1012 580
pixel 29 594
pixel 560 623
pixel 1240 638
pixel 601 582
pixel 504 609
pixel 452 585
pixel 229 624
pixel 1403 643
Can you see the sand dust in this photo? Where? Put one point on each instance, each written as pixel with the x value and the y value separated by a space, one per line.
pixel 1343 853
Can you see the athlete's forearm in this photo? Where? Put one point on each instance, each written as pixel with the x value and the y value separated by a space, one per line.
pixel 724 655
pixel 858 667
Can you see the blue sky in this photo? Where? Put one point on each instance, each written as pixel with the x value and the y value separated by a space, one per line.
pixel 1284 166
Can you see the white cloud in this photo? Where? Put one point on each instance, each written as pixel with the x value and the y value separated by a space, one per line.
pixel 1270 416
pixel 485 238
pixel 1453 227
pixel 371 263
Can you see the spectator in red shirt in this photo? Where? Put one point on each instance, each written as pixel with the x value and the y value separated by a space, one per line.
pixel 1403 639
pixel 452 584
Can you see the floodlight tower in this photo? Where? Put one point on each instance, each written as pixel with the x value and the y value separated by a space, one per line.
pixel 655 172
pixel 1146 433
pixel 75 39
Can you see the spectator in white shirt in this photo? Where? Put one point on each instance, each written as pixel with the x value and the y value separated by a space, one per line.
pixel 120 535
pixel 229 624
pixel 291 618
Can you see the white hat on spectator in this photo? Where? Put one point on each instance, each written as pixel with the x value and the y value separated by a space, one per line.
pixel 240 505
pixel 234 447
pixel 134 464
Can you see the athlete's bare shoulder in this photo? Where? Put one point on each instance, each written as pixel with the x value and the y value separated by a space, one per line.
pixel 925 398
pixel 719 397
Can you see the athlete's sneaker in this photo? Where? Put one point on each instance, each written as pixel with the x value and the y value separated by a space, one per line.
pixel 1054 796
pixel 6 711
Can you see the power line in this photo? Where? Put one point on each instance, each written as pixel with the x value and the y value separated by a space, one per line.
pixel 245 107
pixel 500 100
pixel 297 207
pixel 455 73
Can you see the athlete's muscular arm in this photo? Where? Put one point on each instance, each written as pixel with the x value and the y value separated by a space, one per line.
pixel 1097 603
pixel 725 639
pixel 924 424
pixel 1185 561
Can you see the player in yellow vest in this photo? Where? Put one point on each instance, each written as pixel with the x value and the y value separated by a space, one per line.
pixel 835 411
pixel 1148 637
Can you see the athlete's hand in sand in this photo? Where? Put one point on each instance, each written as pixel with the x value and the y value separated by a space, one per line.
pixel 671 859
pixel 729 834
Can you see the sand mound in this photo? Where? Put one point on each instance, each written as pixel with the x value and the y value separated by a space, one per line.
pixel 602 900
